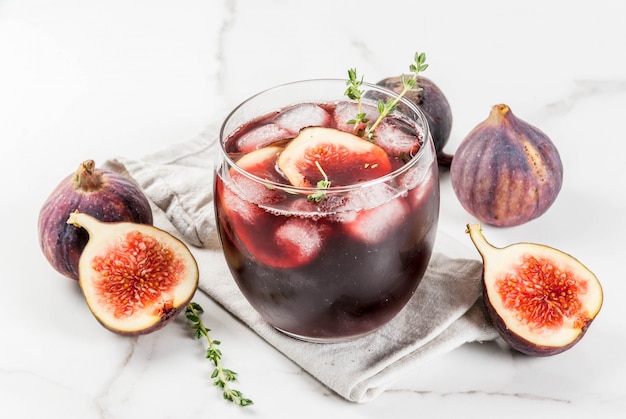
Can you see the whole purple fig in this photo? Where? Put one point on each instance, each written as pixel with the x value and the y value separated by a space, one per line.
pixel 431 100
pixel 506 172
pixel 105 195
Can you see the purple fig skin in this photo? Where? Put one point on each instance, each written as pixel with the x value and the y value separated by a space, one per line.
pixel 167 317
pixel 436 108
pixel 103 194
pixel 523 345
pixel 506 172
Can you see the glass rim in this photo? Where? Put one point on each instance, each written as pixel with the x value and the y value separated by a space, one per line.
pixel 333 189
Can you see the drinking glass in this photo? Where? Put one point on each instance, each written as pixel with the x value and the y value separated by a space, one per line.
pixel 341 266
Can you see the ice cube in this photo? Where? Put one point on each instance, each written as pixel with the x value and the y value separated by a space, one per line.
pixel 261 136
pixel 239 208
pixel 257 191
pixel 346 111
pixel 417 174
pixel 260 163
pixel 368 197
pixel 305 207
pixel 420 178
pixel 302 116
pixel 396 138
pixel 347 207
pixel 293 241
pixel 299 241
pixel 422 190
pixel 376 224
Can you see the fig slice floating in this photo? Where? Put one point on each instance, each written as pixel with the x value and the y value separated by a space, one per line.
pixel 346 158
pixel 135 278
pixel 540 300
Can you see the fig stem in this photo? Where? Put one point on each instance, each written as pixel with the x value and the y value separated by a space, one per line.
pixel 444 159
pixel 482 245
pixel 86 177
pixel 85 221
pixel 82 220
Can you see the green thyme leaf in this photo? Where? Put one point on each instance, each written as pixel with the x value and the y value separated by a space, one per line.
pixel 384 108
pixel 353 91
pixel 322 184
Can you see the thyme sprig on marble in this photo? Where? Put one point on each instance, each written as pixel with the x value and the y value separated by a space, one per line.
pixel 354 92
pixel 221 376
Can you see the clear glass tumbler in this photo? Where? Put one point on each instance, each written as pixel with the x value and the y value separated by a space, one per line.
pixel 326 262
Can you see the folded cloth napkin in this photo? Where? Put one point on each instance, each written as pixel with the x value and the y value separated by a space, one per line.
pixel 443 314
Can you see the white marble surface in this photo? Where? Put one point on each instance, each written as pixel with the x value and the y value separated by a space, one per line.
pixel 86 79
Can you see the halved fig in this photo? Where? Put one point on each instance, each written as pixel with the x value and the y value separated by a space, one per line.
pixel 135 278
pixel 344 157
pixel 540 300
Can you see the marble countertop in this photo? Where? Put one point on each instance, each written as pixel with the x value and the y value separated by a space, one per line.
pixel 97 80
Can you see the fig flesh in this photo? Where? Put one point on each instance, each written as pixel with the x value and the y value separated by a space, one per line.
pixel 106 195
pixel 346 158
pixel 135 278
pixel 540 300
pixel 431 100
pixel 506 172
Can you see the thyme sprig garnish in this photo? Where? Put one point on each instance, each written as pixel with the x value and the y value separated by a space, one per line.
pixel 322 184
pixel 221 376
pixel 354 92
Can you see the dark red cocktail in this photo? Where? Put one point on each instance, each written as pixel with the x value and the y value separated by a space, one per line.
pixel 326 233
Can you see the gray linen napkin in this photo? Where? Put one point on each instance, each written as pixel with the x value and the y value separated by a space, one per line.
pixel 444 313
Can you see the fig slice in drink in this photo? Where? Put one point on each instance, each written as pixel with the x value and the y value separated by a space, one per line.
pixel 275 241
pixel 345 158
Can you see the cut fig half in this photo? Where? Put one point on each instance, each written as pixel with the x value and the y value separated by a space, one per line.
pixel 344 157
pixel 540 299
pixel 135 278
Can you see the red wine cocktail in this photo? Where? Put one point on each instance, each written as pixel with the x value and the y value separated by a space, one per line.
pixel 327 233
